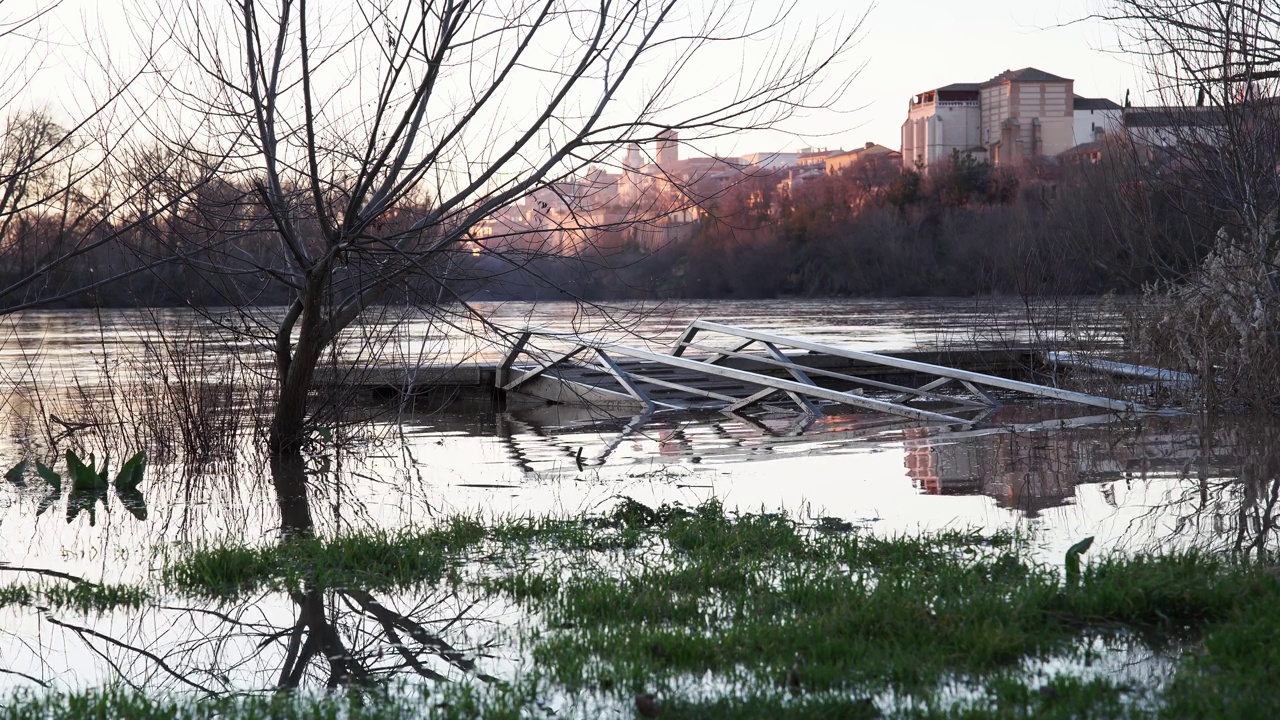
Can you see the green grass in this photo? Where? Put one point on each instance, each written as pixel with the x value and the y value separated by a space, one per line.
pixel 114 703
pixel 863 612
pixel 673 599
pixel 401 559
pixel 84 597
pixel 737 597
pixel 377 560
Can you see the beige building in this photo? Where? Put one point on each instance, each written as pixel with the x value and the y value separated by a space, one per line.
pixel 1016 115
pixel 772 160
pixel 871 152
pixel 1027 113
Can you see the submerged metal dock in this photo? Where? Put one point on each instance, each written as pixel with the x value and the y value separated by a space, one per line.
pixel 716 366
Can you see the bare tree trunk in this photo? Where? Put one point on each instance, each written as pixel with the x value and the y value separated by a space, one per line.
pixel 295 371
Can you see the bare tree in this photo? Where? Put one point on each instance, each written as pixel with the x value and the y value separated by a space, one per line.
pixel 72 189
pixel 377 135
pixel 1212 147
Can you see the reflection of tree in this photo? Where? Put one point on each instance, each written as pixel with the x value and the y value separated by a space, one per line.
pixel 1178 481
pixel 1231 500
pixel 314 636
pixel 318 636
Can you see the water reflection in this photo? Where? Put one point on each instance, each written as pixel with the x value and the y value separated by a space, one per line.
pixel 1137 484
pixel 315 639
pixel 347 631
pixel 210 481
pixel 1173 481
pixel 315 636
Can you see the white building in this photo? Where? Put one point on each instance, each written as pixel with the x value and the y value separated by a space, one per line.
pixel 1095 117
pixel 772 160
pixel 1172 126
pixel 940 122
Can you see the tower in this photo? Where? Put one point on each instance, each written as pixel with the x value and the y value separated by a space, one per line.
pixel 668 148
pixel 634 159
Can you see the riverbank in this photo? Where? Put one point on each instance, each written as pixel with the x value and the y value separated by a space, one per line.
pixel 700 612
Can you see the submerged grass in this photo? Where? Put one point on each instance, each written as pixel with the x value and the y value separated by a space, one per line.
pixel 84 597
pixel 757 601
pixel 400 559
pixel 375 560
pixel 741 596
pixel 728 615
pixel 372 703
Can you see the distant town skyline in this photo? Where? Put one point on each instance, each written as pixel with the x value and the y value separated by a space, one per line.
pixel 911 47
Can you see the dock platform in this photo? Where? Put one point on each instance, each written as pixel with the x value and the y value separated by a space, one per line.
pixel 722 367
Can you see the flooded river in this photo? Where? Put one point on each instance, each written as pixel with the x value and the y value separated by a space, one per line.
pixel 1134 485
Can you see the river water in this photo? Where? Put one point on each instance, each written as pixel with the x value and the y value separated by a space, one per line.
pixel 1133 485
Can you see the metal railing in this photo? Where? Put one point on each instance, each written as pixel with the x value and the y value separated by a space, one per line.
pixel 966 391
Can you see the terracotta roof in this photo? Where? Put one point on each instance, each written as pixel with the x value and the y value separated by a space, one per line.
pixel 869 150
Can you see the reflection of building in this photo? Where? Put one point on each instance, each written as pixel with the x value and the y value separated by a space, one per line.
pixel 1023 471
pixel 945 469
pixel 1033 471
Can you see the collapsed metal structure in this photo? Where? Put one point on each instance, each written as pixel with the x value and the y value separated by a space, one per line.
pixel 694 374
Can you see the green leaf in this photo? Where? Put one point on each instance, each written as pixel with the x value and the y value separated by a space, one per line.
pixel 83 477
pixel 131 472
pixel 51 477
pixel 17 473
pixel 1073 559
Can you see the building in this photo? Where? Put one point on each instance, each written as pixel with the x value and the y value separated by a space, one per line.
pixel 1094 118
pixel 657 197
pixel 941 122
pixel 1164 127
pixel 1014 116
pixel 772 160
pixel 816 157
pixel 869 153
pixel 1027 113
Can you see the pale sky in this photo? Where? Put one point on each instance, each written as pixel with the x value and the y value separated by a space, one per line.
pixel 908 46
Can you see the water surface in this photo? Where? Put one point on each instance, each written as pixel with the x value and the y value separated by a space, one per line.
pixel 1043 470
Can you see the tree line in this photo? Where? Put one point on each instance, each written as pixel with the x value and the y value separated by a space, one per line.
pixel 1051 227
